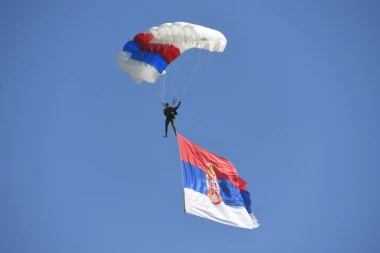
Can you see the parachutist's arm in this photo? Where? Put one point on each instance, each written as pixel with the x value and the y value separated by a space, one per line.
pixel 179 103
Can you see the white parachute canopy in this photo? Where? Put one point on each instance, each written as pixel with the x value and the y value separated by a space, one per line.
pixel 147 56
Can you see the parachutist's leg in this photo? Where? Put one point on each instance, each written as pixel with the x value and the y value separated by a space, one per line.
pixel 166 127
pixel 174 128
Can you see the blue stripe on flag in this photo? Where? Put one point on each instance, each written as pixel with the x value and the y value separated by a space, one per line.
pixel 247 200
pixel 195 178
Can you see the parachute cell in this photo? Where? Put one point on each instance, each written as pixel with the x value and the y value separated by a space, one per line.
pixel 147 56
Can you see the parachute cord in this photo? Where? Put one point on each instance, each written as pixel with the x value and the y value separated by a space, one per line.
pixel 166 75
pixel 158 93
pixel 200 61
pixel 190 80
pixel 161 89
pixel 176 92
pixel 164 85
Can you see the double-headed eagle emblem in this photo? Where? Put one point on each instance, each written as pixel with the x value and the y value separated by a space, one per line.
pixel 213 191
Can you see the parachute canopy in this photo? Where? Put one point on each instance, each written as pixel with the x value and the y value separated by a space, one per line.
pixel 147 56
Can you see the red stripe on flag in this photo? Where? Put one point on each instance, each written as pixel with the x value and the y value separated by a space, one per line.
pixel 199 157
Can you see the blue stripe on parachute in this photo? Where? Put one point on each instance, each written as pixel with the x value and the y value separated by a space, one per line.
pixel 154 59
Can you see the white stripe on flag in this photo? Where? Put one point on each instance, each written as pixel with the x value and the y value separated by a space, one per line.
pixel 200 205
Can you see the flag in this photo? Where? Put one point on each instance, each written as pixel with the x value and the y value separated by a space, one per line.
pixel 212 187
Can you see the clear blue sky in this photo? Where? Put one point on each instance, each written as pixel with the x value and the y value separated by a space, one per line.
pixel 292 103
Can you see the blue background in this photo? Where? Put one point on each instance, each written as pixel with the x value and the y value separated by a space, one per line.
pixel 292 103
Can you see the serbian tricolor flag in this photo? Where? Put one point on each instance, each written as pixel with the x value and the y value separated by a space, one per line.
pixel 213 189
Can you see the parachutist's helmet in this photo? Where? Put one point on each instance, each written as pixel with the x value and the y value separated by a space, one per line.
pixel 167 104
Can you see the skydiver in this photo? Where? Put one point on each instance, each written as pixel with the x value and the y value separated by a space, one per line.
pixel 170 112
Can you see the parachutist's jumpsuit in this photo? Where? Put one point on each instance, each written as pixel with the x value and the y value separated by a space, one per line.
pixel 170 113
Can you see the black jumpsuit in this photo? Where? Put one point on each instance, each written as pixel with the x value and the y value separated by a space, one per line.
pixel 170 113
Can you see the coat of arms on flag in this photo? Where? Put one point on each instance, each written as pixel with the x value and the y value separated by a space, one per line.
pixel 212 185
pixel 213 189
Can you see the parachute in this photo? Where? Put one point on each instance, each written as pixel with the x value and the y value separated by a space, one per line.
pixel 147 56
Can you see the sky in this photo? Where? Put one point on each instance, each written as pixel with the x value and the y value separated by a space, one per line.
pixel 292 102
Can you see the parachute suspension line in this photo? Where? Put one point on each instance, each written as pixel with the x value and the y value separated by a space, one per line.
pixel 158 93
pixel 176 93
pixel 161 83
pixel 200 61
pixel 164 77
pixel 197 67
pixel 182 80
pixel 160 89
pixel 164 85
